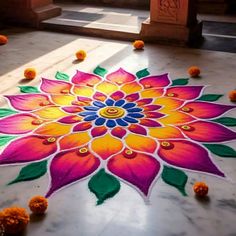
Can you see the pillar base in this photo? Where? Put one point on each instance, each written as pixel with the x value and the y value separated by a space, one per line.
pixel 171 33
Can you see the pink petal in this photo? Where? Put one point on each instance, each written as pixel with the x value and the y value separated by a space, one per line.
pixel 144 101
pixel 204 131
pixel 153 114
pixel 82 126
pixel 149 123
pixel 188 155
pixel 132 97
pixel 120 77
pixel 27 149
pixel 99 96
pixel 55 86
pixel 98 131
pixel 184 92
pixel 19 124
pixel 70 166
pixel 137 169
pixel 151 107
pixel 72 109
pixel 70 119
pixel 155 81
pixel 117 95
pixel 137 129
pixel 118 132
pixel 205 110
pixel 85 79
pixel 28 102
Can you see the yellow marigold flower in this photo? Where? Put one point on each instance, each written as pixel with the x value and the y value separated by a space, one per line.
pixel 80 55
pixel 194 71
pixel 138 44
pixel 14 219
pixel 30 73
pixel 38 204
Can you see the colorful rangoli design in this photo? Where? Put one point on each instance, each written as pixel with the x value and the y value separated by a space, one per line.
pixel 112 127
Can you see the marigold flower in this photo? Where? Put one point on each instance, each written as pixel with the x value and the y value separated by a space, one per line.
pixel 3 39
pixel 38 204
pixel 138 44
pixel 14 219
pixel 81 55
pixel 194 71
pixel 232 96
pixel 30 73
pixel 200 189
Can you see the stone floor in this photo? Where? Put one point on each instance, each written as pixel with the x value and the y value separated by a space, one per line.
pixel 72 211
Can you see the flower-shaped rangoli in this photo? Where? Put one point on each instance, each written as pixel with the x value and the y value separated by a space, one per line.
pixel 121 127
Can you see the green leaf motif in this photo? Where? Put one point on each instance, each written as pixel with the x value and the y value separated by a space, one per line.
pixel 176 178
pixel 227 121
pixel 142 73
pixel 104 186
pixel 29 89
pixel 62 76
pixel 6 112
pixel 210 97
pixel 180 81
pixel 31 172
pixel 221 150
pixel 6 139
pixel 100 71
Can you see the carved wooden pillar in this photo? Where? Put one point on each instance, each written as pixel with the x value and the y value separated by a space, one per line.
pixel 29 12
pixel 172 20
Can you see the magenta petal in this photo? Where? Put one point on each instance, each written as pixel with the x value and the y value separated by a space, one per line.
pixel 70 166
pixel 98 131
pixel 54 86
pixel 82 126
pixel 117 95
pixel 139 169
pixel 85 79
pixel 132 97
pixel 204 131
pixel 137 129
pixel 99 96
pixel 27 149
pixel 72 109
pixel 188 155
pixel 70 119
pixel 149 123
pixel 120 77
pixel 155 81
pixel 144 101
pixel 118 132
pixel 153 114
pixel 28 102
pixel 151 107
pixel 18 124
pixel 84 99
pixel 184 92
pixel 206 110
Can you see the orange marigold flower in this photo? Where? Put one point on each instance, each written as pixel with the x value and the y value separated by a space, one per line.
pixel 38 204
pixel 30 73
pixel 14 219
pixel 232 96
pixel 194 71
pixel 138 44
pixel 200 189
pixel 3 39
pixel 80 55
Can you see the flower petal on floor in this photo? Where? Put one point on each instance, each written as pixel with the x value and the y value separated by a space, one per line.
pixel 120 77
pixel 55 86
pixel 85 79
pixel 155 81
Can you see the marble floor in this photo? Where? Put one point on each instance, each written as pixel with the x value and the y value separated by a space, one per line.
pixel 73 211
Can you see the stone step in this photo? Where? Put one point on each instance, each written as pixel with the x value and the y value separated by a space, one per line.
pixel 109 25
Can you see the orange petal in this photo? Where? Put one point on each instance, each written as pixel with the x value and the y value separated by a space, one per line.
pixel 53 129
pixel 131 88
pixel 63 99
pixel 106 146
pixel 168 103
pixel 165 132
pixel 51 112
pixel 74 140
pixel 176 117
pixel 141 143
pixel 106 87
pixel 151 93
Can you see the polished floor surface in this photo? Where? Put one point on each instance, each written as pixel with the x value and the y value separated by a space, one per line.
pixel 73 212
